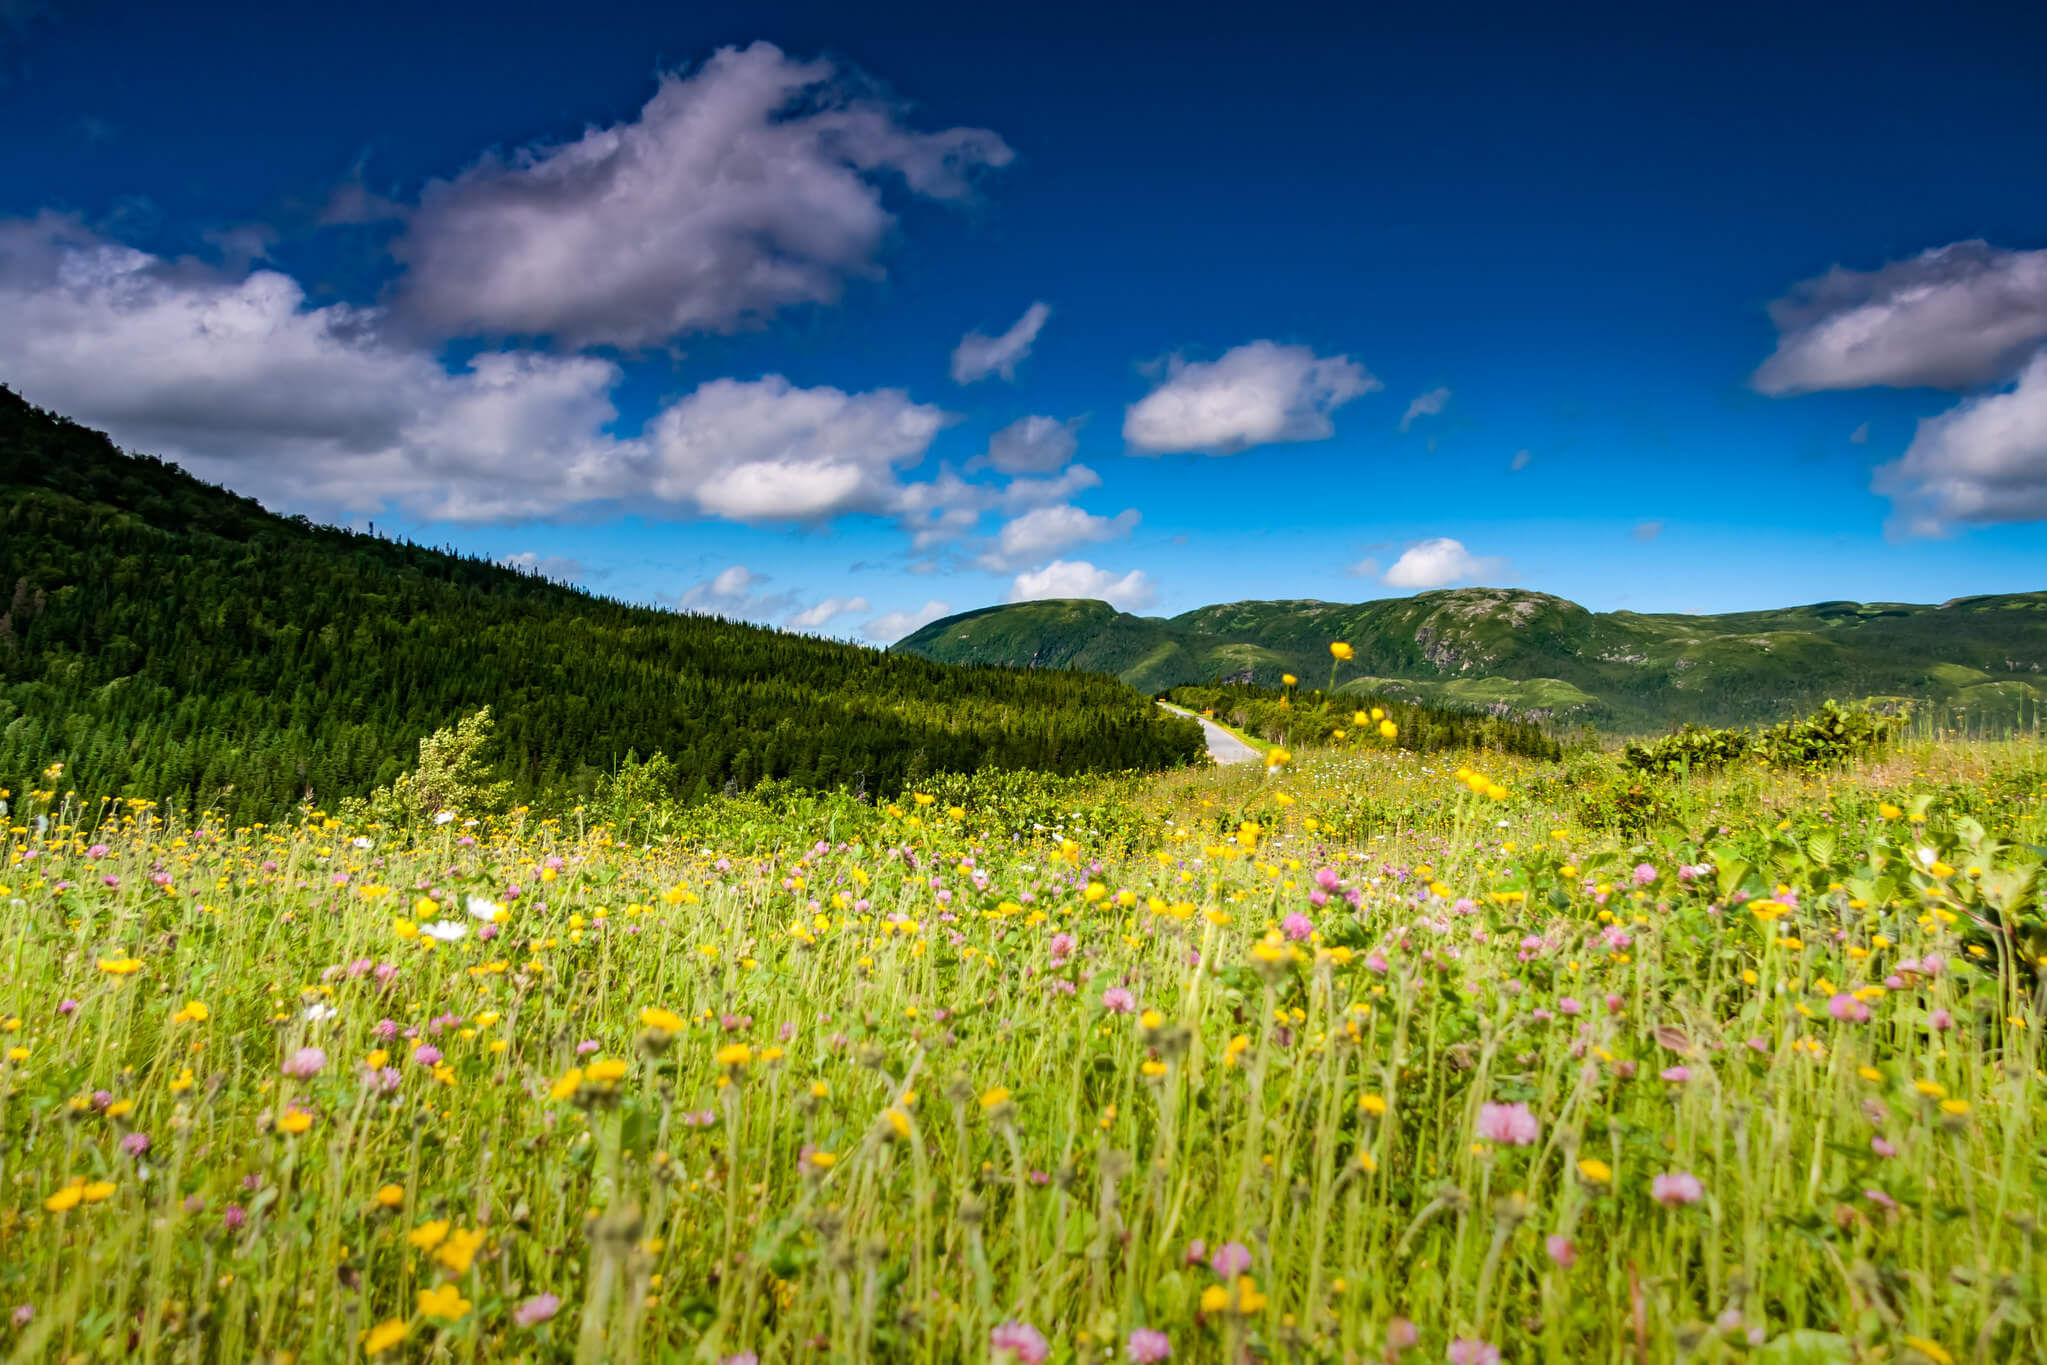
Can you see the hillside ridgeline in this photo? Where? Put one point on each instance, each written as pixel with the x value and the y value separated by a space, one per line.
pixel 1529 654
pixel 165 638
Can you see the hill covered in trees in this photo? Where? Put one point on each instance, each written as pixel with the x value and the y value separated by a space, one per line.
pixel 169 639
pixel 1979 659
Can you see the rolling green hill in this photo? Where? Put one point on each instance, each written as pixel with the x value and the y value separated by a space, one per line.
pixel 1532 654
pixel 168 639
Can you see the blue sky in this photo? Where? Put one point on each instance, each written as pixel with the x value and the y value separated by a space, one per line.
pixel 677 301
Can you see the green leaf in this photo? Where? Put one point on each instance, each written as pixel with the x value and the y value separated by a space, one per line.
pixel 1805 1347
pixel 1729 871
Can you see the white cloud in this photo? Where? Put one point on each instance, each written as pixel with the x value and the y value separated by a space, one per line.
pixel 735 593
pixel 237 378
pixel 734 582
pixel 558 567
pixel 1424 405
pixel 810 618
pixel 1367 567
pixel 1255 394
pixel 727 586
pixel 742 189
pixel 940 510
pixel 947 507
pixel 1982 461
pixel 1044 532
pixel 1440 562
pixel 1859 436
pixel 1019 494
pixel 893 626
pixel 1032 445
pixel 977 356
pixel 241 246
pixel 1647 531
pixel 1950 318
pixel 765 450
pixel 1078 578
pixel 1522 459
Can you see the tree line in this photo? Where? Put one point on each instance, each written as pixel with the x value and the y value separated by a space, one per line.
pixel 168 639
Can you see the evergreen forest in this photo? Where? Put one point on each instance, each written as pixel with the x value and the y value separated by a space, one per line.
pixel 165 638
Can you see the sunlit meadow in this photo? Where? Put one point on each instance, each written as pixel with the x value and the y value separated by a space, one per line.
pixel 1364 1056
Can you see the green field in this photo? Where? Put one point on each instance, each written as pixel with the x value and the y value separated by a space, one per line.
pixel 1366 1050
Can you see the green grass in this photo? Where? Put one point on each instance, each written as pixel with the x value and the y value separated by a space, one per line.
pixel 794 1076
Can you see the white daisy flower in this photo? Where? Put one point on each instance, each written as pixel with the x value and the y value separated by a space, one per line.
pixel 446 930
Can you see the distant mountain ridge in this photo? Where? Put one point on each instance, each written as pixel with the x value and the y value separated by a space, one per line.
pixel 1534 654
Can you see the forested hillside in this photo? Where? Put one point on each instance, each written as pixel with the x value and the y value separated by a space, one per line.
pixel 166 638
pixel 1978 660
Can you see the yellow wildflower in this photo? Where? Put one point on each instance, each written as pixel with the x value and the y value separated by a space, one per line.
pixel 445 1303
pixel 383 1336
pixel 459 1250
pixel 427 1236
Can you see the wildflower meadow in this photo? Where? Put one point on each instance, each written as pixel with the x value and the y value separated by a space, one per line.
pixel 1361 1054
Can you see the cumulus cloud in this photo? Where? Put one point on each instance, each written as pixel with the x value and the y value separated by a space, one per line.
pixel 1647 531
pixel 1255 394
pixel 1424 405
pixel 977 356
pixel 1019 494
pixel 1047 531
pixel 728 585
pixel 561 568
pixel 1032 445
pixel 1522 459
pixel 1439 563
pixel 1983 461
pixel 242 245
pixel 765 450
pixel 811 618
pixel 1368 567
pixel 737 593
pixel 234 376
pixel 747 187
pixel 1950 318
pixel 894 625
pixel 947 507
pixel 1078 578
pixel 237 377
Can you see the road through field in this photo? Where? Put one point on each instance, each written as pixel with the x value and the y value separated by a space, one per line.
pixel 1223 746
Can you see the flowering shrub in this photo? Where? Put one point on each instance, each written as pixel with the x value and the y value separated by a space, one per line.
pixel 1828 738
